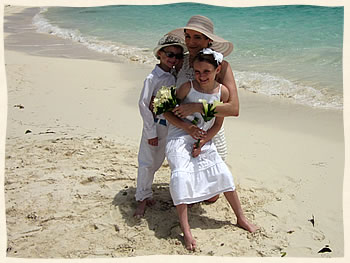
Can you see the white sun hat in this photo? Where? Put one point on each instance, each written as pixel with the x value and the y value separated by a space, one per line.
pixel 205 26
pixel 169 40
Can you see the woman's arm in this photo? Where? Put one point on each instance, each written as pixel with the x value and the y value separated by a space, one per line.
pixel 225 77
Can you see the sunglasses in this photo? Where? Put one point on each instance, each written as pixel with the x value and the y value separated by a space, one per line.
pixel 172 54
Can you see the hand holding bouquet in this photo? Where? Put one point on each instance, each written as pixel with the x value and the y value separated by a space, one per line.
pixel 165 100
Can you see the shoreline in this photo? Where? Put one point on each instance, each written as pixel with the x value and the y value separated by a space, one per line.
pixel 284 158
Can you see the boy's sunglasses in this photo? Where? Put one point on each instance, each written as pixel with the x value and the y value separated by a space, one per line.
pixel 172 54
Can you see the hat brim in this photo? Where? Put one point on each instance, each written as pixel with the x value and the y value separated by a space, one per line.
pixel 157 48
pixel 219 44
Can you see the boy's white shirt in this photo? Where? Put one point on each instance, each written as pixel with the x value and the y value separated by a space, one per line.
pixel 154 81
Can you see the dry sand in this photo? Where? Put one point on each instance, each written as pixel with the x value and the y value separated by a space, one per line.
pixel 71 162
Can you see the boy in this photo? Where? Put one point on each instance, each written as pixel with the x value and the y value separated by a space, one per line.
pixel 151 155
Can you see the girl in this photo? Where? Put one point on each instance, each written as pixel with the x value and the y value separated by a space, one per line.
pixel 198 173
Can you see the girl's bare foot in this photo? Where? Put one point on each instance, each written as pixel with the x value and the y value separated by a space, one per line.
pixel 190 242
pixel 212 200
pixel 245 224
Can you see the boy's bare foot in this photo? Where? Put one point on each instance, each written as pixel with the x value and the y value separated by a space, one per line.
pixel 190 242
pixel 245 224
pixel 140 210
pixel 141 207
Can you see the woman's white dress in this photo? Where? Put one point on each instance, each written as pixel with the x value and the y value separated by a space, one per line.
pixel 185 74
pixel 196 179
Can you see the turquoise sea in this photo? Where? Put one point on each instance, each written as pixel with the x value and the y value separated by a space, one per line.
pixel 292 51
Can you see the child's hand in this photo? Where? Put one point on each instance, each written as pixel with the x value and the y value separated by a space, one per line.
pixel 153 141
pixel 196 150
pixel 151 104
pixel 195 132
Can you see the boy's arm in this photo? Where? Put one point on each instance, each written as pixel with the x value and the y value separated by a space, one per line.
pixel 149 127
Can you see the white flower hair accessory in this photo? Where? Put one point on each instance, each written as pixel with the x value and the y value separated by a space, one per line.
pixel 217 56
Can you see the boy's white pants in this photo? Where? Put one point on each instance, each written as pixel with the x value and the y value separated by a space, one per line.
pixel 150 158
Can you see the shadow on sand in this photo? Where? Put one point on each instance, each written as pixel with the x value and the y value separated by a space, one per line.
pixel 162 217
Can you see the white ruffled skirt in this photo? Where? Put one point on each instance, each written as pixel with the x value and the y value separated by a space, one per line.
pixel 196 179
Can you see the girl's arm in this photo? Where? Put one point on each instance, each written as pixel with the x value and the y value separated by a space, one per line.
pixel 191 129
pixel 210 135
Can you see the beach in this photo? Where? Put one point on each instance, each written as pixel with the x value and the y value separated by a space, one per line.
pixel 73 130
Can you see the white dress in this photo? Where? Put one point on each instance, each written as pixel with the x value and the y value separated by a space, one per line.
pixel 196 179
pixel 185 74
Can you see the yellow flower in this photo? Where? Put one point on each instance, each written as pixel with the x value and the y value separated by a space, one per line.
pixel 165 100
pixel 205 105
pixel 209 109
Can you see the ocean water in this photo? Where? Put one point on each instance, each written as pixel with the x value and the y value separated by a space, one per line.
pixel 292 51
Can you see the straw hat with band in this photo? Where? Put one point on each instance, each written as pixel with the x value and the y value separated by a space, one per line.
pixel 169 40
pixel 205 26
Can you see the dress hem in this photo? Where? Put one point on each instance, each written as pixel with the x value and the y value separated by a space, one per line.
pixel 203 198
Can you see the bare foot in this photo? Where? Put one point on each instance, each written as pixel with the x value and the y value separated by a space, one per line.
pixel 141 207
pixel 212 200
pixel 190 242
pixel 140 210
pixel 245 224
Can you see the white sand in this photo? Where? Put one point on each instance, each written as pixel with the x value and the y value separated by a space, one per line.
pixel 70 181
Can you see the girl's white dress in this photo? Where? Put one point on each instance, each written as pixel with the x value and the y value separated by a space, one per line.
pixel 185 74
pixel 196 179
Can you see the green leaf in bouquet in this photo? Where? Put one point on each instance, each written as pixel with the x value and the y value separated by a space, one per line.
pixel 195 120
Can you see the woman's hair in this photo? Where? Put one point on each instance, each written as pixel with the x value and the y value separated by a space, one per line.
pixel 209 58
pixel 199 33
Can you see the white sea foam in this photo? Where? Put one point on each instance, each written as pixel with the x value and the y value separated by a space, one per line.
pixel 269 85
pixel 135 54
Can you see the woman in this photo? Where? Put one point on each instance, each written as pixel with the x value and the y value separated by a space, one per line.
pixel 199 34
